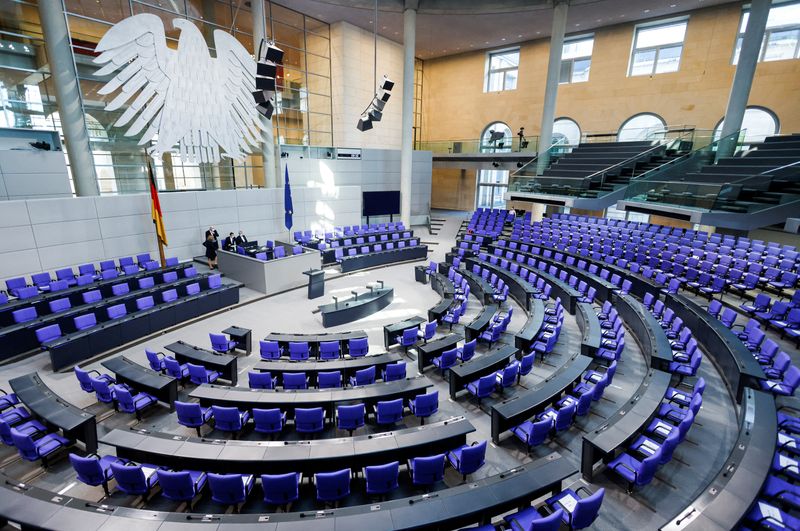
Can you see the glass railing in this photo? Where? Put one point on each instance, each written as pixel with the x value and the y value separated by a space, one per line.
pixel 473 146
pixel 526 178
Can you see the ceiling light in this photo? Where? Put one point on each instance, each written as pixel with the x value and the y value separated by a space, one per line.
pixel 646 10
pixel 519 36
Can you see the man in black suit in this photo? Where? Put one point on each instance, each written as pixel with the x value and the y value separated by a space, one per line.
pixel 241 239
pixel 212 231
pixel 230 243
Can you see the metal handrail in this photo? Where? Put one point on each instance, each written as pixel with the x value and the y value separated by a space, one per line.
pixel 534 159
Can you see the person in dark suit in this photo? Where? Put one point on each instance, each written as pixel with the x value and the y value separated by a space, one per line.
pixel 211 246
pixel 241 239
pixel 213 232
pixel 230 243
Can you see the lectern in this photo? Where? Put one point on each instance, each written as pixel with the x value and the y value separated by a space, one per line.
pixel 316 283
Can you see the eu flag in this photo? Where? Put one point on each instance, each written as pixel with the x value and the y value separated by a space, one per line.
pixel 287 202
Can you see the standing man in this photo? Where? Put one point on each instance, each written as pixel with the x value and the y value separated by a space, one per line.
pixel 522 142
pixel 213 232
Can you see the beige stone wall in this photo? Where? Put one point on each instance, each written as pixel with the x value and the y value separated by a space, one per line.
pixel 453 189
pixel 455 106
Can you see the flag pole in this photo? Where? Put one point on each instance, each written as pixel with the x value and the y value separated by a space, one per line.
pixel 153 192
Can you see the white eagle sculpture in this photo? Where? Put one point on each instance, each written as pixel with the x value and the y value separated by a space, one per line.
pixel 183 97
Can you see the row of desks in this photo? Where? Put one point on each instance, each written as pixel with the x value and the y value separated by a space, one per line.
pixel 315 339
pixel 519 288
pixel 54 411
pixel 329 254
pixel 468 503
pixel 363 261
pixel 393 332
pixel 281 457
pixel 141 378
pixel 445 288
pixel 225 364
pixel 73 348
pixel 480 365
pixel 312 368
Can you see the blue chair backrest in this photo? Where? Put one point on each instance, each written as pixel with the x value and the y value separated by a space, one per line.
pixel 227 488
pixel 189 413
pixel 24 315
pixel 176 485
pixel 116 311
pixel 427 403
pixel 88 469
pixel 48 333
pixel 92 296
pixel 332 485
pixel 280 489
pixel 351 414
pixel 124 399
pixel 171 295
pixel 365 376
pixel 429 469
pixel 144 303
pixel 329 379
pixel 308 418
pixel 197 373
pixel 329 349
pixel 130 478
pixel 227 418
pixel 358 346
pixel 25 445
pixel 259 380
pixel 472 458
pixel 586 509
pixel 120 289
pixel 409 336
pixel 469 349
pixel 173 368
pixel 395 371
pixel 146 282
pixel 193 288
pixel 268 417
pixel 59 305
pixel 294 380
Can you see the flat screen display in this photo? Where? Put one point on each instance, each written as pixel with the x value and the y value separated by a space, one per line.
pixel 381 203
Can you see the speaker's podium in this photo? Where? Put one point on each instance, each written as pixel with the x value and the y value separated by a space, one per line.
pixel 316 283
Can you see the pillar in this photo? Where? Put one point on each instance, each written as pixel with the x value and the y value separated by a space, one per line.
pixel 267 133
pixel 551 84
pixel 407 147
pixel 743 78
pixel 68 96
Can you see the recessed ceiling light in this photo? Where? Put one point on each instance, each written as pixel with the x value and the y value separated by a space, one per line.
pixel 538 33
pixel 487 42
pixel 503 39
pixel 673 5
pixel 599 20
pixel 519 36
pixel 646 10
pixel 577 25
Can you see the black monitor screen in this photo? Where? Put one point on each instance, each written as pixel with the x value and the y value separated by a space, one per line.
pixel 381 203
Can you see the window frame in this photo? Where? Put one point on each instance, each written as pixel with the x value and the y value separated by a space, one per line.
pixel 638 114
pixel 674 21
pixel 569 40
pixel 490 186
pixel 767 32
pixel 488 71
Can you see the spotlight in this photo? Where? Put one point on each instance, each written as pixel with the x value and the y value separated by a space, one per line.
pixel 364 123
pixel 519 164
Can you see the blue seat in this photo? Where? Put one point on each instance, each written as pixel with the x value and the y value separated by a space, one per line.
pixel 508 376
pixel 48 333
pixel 29 427
pixel 281 489
pixel 128 403
pixel 423 406
pixel 85 378
pixel 584 511
pixel 408 338
pixel 426 470
pixel 192 415
pixel 105 391
pixel 8 399
pixel 270 350
pixel 200 375
pixel 329 379
pixel 446 360
pixel 309 420
pixel 269 420
pixel 363 377
pixel 295 380
pixel 156 360
pixel 466 352
pixel 229 419
pixel 179 371
pixel 134 479
pixel 533 433
pixel 145 303
pixel 646 446
pixel 562 417
pixel 230 489
pixel 93 470
pixel 221 344
pixel 261 380
pixel 332 486
pixel 530 519
pixel 350 418
pixel 389 411
pixel 382 479
pixel 482 387
pixel 634 471
pixel 358 347
pixel 394 371
pixel 427 332
pixel 298 350
pixel 182 486
pixel 329 350
pixel 468 458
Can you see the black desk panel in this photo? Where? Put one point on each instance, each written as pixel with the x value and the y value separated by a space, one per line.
pixel 347 367
pixel 646 330
pixel 526 335
pixel 164 388
pixel 519 288
pixel 444 287
pixel 590 328
pixel 618 431
pixel 480 365
pixel 357 307
pixel 481 322
pixel 434 348
pixel 279 457
pixel 242 336
pixel 363 261
pixel 481 289
pixel 521 407
pixel 393 332
pixel 225 364
pixel 314 340
pixel 54 411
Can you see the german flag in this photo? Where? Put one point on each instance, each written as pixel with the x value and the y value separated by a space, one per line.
pixel 155 207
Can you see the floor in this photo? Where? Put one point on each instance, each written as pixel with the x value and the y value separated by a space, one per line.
pixel 676 483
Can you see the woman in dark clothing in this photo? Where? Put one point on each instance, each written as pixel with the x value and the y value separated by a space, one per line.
pixel 211 246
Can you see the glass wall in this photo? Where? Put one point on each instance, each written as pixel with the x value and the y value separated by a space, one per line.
pixel 303 98
pixel 492 186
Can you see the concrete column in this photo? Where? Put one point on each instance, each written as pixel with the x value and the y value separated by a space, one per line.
pixel 743 78
pixel 407 147
pixel 551 85
pixel 68 96
pixel 267 134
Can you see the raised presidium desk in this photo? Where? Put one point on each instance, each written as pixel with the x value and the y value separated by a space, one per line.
pixel 524 405
pixel 312 368
pixel 225 364
pixel 393 332
pixel 616 433
pixel 54 411
pixel 242 336
pixel 280 457
pixel 316 283
pixel 164 388
pixel 468 371
pixel 314 340
pixel 244 398
pixel 468 503
pixel 357 307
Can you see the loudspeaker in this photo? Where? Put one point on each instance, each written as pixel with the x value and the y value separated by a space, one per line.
pixel 378 104
pixel 265 83
pixel 387 84
pixel 267 69
pixel 364 124
pixel 274 54
pixel 384 96
pixel 261 96
pixel 266 109
pixel 375 115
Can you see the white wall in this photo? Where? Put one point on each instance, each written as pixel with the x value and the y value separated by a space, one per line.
pixel 353 87
pixel 29 174
pixel 48 234
pixel 378 169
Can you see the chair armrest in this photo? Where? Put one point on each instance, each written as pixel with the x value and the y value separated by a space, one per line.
pixel 635 473
pixel 583 487
pixel 197 481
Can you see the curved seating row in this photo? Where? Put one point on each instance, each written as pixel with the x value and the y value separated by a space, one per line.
pixel 413 251
pixel 347 367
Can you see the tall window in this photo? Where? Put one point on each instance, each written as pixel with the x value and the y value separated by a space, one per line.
pixel 566 131
pixel 576 58
pixel 782 34
pixel 657 48
pixel 758 123
pixel 496 138
pixel 492 186
pixel 501 70
pixel 644 126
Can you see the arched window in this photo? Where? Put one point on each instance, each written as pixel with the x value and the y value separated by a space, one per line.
pixel 758 123
pixel 496 138
pixel 566 131
pixel 643 126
